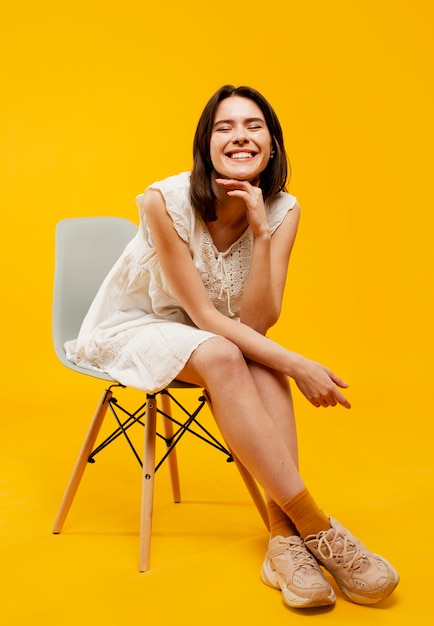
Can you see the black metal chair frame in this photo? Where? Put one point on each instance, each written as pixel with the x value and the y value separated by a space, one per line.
pixel 182 427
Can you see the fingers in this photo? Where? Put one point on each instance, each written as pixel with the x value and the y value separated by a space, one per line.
pixel 337 380
pixel 326 393
pixel 229 183
pixel 330 396
pixel 242 188
pixel 338 396
pixel 331 399
pixel 327 401
pixel 341 399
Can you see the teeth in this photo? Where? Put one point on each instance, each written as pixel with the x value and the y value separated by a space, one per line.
pixel 241 155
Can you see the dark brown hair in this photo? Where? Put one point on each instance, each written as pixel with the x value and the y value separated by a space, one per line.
pixel 273 178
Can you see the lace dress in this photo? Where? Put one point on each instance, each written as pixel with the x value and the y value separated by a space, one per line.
pixel 135 329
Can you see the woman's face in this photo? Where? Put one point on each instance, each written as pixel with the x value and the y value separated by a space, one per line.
pixel 241 144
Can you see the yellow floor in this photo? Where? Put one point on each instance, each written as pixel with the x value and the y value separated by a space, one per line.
pixel 207 551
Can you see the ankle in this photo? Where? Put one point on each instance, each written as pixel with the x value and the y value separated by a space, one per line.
pixel 306 515
pixel 280 523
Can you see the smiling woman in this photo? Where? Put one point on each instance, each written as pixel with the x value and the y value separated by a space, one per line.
pixel 193 296
pixel 275 173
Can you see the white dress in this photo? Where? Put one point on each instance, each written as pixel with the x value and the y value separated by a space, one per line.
pixel 135 329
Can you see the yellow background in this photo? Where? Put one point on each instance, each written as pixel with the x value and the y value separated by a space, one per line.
pixel 98 100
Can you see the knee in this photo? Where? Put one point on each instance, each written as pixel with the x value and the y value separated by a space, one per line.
pixel 224 358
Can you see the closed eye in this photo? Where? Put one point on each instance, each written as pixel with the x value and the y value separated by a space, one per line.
pixel 251 123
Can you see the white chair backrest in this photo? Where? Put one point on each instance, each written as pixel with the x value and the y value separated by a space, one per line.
pixel 86 249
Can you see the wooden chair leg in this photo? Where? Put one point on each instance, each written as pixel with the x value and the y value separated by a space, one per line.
pixel 148 483
pixel 81 462
pixel 172 458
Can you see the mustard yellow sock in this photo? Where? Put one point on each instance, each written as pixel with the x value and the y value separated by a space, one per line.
pixel 308 518
pixel 280 524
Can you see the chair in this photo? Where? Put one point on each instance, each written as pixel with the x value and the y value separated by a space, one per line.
pixel 86 249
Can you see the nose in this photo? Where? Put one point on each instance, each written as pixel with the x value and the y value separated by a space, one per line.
pixel 240 135
pixel 240 139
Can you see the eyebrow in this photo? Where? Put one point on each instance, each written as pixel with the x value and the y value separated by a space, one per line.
pixel 248 120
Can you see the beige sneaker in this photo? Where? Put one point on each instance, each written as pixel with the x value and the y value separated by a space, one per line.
pixel 289 566
pixel 364 577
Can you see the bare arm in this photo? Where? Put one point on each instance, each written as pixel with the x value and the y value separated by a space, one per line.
pixel 263 293
pixel 316 382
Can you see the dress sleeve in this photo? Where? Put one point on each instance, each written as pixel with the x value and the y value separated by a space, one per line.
pixel 176 193
pixel 278 207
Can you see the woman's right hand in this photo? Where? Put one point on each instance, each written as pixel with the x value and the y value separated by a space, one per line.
pixel 319 384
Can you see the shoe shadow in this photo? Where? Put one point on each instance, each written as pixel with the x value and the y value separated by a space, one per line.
pixel 311 611
pixel 388 603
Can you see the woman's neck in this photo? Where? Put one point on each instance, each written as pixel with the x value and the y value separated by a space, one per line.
pixel 231 221
pixel 231 211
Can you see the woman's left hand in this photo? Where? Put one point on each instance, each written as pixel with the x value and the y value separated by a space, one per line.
pixel 251 193
pixel 319 384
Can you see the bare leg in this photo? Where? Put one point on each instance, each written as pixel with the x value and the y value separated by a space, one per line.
pixel 245 423
pixel 275 392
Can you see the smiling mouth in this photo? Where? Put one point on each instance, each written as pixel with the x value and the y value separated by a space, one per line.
pixel 241 155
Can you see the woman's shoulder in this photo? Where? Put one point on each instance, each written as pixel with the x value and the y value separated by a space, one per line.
pixel 174 189
pixel 278 206
pixel 282 199
pixel 176 193
pixel 177 182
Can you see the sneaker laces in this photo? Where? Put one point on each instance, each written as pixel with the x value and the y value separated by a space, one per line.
pixel 342 550
pixel 299 554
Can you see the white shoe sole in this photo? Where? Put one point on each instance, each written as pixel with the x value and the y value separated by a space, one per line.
pixel 385 593
pixel 320 597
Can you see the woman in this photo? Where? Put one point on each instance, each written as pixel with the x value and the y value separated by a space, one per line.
pixel 193 297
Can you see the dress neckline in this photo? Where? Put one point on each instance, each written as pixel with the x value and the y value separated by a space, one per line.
pixel 233 244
